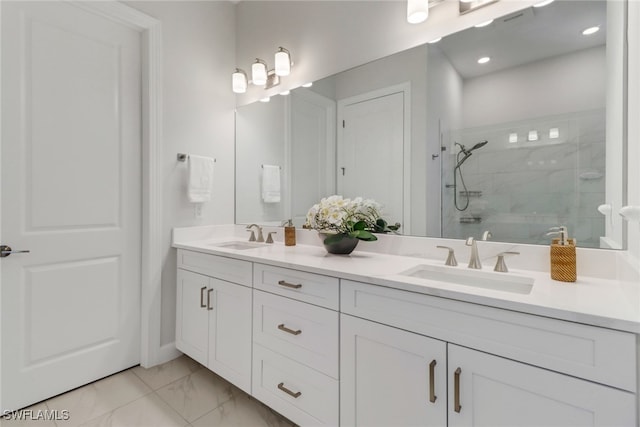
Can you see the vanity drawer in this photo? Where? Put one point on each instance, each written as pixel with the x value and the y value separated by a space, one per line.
pixel 301 394
pixel 229 269
pixel 602 355
pixel 308 287
pixel 299 331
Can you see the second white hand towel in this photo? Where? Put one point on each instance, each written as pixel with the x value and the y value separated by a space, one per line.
pixel 271 183
pixel 200 178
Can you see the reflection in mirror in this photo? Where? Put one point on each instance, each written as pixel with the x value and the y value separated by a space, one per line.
pixel 409 131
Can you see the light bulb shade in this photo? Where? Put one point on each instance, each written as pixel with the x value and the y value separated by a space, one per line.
pixel 417 11
pixel 259 72
pixel 283 62
pixel 239 81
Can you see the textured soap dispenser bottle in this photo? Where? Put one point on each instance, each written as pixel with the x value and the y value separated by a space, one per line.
pixel 563 255
pixel 289 233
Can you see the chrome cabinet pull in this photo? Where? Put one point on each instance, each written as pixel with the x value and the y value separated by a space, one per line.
pixel 209 307
pixel 432 382
pixel 5 251
pixel 456 390
pixel 202 304
pixel 290 331
pixel 289 285
pixel 289 392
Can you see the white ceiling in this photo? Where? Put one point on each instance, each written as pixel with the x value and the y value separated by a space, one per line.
pixel 527 36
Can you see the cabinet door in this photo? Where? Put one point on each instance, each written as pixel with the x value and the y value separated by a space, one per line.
pixel 230 332
pixel 390 377
pixel 192 326
pixel 492 391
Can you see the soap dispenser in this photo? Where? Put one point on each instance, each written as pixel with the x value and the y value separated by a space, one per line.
pixel 289 233
pixel 563 255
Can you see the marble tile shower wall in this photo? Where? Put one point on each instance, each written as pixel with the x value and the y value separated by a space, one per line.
pixel 519 190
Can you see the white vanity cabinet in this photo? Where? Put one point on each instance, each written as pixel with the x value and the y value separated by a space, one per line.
pixel 213 317
pixel 573 374
pixel 296 338
pixel 390 377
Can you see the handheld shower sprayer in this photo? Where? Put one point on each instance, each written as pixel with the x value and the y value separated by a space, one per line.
pixel 459 161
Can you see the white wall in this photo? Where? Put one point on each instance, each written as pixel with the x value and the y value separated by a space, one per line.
pixel 198 54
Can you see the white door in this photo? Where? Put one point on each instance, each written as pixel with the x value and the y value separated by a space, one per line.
pixel 371 151
pixel 390 377
pixel 71 194
pixel 492 391
pixel 312 149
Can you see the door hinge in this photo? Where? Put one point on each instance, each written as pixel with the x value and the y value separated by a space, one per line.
pixel 343 124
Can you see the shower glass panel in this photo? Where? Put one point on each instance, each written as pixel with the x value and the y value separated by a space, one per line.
pixel 530 176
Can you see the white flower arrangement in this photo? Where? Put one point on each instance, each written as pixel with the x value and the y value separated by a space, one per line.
pixel 357 218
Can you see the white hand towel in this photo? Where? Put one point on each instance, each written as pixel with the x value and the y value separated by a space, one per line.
pixel 200 178
pixel 271 184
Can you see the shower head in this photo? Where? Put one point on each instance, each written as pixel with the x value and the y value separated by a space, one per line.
pixel 478 145
pixel 468 153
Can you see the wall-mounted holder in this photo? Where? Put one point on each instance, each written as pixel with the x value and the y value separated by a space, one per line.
pixel 630 213
pixel 182 157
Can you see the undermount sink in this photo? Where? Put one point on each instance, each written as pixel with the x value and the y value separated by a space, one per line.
pixel 238 245
pixel 507 282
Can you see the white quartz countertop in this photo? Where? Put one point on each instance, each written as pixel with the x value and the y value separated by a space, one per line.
pixel 613 304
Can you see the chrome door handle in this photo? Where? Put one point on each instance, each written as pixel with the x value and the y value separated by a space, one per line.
pixel 202 304
pixel 5 251
pixel 456 390
pixel 432 381
pixel 289 285
pixel 290 331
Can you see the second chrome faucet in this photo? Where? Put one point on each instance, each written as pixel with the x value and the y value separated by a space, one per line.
pixel 474 259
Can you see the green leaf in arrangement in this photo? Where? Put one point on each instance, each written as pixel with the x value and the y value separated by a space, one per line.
pixel 360 225
pixel 365 235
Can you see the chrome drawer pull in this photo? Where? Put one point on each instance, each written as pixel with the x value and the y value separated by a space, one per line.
pixel 456 390
pixel 289 392
pixel 289 285
pixel 291 331
pixel 209 307
pixel 202 304
pixel 432 382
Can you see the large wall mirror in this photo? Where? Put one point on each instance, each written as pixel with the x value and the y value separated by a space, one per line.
pixel 453 145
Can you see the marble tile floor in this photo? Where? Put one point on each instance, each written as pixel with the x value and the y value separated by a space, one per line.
pixel 180 393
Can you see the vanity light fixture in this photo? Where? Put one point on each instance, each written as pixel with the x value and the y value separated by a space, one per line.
pixel 533 135
pixel 543 3
pixel 513 138
pixel 554 133
pixel 283 62
pixel 435 40
pixel 466 6
pixel 484 60
pixel 308 84
pixel 417 11
pixel 239 81
pixel 259 72
pixel 590 30
pixel 484 24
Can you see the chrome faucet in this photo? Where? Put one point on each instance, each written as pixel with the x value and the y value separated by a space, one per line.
pixel 253 237
pixel 474 260
pixel 486 235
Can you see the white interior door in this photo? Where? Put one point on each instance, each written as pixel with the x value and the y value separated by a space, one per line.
pixel 71 194
pixel 371 149
pixel 312 148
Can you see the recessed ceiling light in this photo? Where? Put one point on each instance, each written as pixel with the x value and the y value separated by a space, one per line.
pixel 543 3
pixel 590 30
pixel 484 60
pixel 308 84
pixel 484 24
pixel 436 40
pixel 286 92
pixel 267 99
